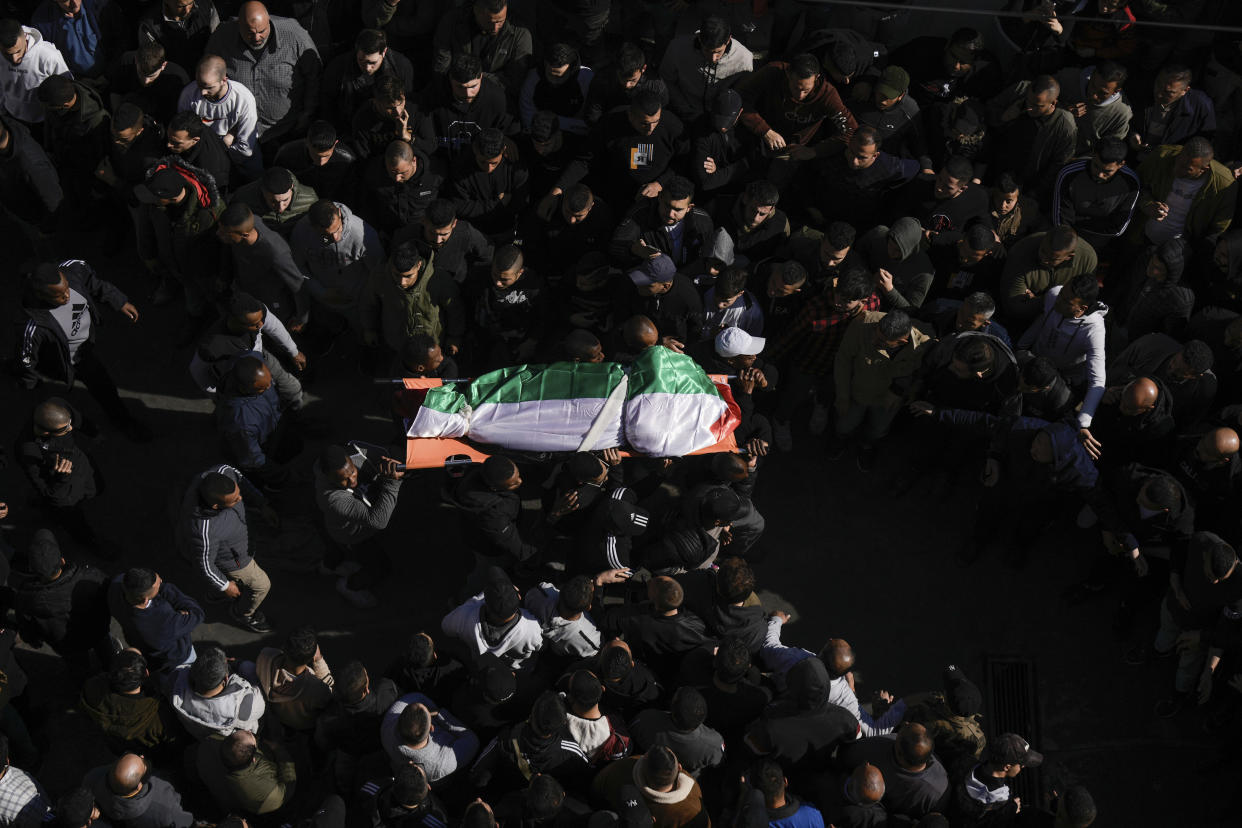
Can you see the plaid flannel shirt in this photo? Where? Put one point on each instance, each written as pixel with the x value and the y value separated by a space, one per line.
pixel 284 77
pixel 815 335
pixel 22 801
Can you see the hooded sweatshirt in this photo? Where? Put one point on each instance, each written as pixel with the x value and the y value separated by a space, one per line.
pixel 693 81
pixel 129 723
pixel 156 805
pixel 1164 306
pixel 912 273
pixel 803 727
pixel 1109 119
pixel 767 105
pixel 390 205
pixel 336 271
pixel 239 706
pixel 681 806
pixel 1075 347
pixel 297 698
pixel 19 85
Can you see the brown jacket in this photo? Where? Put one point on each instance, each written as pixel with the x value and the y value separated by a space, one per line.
pixel 682 807
pixel 298 699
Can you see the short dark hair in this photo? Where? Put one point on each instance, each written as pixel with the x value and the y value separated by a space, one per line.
pixel 322 213
pixel 136 582
pixel 236 752
pixel 840 234
pixel 732 659
pixel 1039 372
pixel 1045 85
pixel 350 682
pixel 1007 182
pixel 187 122
pixel 544 125
pixel 1084 286
pixel 420 649
pixel 300 646
pixel 1198 356
pixel 149 57
pixel 56 90
pixel 804 66
pixel 895 324
pixel 491 6
pixel 127 116
pixel 333 458
pixel 1163 491
pixel 73 809
pixel 660 768
pixel 560 54
pixel 679 187
pixel 714 32
pixel 398 151
pixel 576 594
pixel 276 180
pixel 489 143
pixel 792 272
pixel 440 212
pixel 10 32
pixel 320 136
pixel 1079 807
pixel 647 102
pixel 668 594
pixel 867 135
pixel 980 302
pixel 578 197
pixel 507 257
pixel 498 470
pixel 615 663
pixel 1110 71
pixel 854 285
pixel 768 779
pixel 414 724
pixel 236 214
pixel 409 786
pixel 370 42
pixel 1111 150
pixel 1175 72
pixel 465 68
pixel 735 580
pixel 127 672
pixel 584 688
pixel 418 346
pixel 731 281
pixel 914 746
pixel 630 59
pixel 214 487
pixel 975 351
pixel 1199 147
pixel 405 256
pixel 959 167
pixel 762 193
pixel 688 708
pixel 388 89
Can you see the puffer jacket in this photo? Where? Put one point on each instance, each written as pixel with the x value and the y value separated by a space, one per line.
pixel 183 240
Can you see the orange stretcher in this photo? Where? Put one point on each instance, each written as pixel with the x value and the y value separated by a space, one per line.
pixel 438 452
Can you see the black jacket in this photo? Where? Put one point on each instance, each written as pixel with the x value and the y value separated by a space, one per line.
pixel 1120 512
pixel 489 519
pixel 333 180
pixel 42 347
pixel 354 728
pixel 157 805
pixel 476 194
pixel 466 251
pixel 734 152
pixel 662 640
pixel 344 87
pixel 391 205
pixel 377 809
pixel 452 124
pixel 504 762
pixel 185 42
pixel 29 184
pixel 70 613
pixel 556 246
pixel 625 161
pixel 606 93
pixel 211 155
pixel 748 623
pixel 562 167
pixel 644 222
pixel 803 727
pixel 37 457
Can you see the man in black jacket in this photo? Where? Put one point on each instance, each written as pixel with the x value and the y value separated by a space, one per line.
pixel 457 247
pixel 490 188
pixel 30 190
pixel 400 185
pixel 461 106
pixel 723 157
pixel 320 161
pixel 489 509
pixel 65 604
pixel 128 794
pixel 636 149
pixel 57 342
pixel 62 474
pixel 263 266
pixel 660 629
pixel 348 78
pixel 349 728
pixel 802 728
pixel 665 298
pixel 188 137
pixel 668 223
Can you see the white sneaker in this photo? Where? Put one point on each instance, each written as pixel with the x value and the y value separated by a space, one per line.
pixel 819 420
pixel 1087 518
pixel 782 436
pixel 360 598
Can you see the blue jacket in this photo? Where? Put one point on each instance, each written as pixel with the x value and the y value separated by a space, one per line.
pixel 795 814
pixel 247 423
pixel 89 41
pixel 1072 468
pixel 160 631
pixel 1193 115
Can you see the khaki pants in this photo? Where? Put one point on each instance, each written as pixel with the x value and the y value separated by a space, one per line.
pixel 254 585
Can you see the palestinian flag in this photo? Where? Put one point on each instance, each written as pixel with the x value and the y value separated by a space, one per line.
pixel 664 405
pixel 674 408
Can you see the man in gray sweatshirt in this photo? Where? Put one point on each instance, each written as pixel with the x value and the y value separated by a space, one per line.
pixel 335 250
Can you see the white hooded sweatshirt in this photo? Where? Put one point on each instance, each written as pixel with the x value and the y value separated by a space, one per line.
pixel 1074 346
pixel 19 85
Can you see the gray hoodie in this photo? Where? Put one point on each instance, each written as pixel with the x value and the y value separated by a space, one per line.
pixel 1074 346
pixel 354 515
pixel 912 272
pixel 239 706
pixel 693 82
pixel 156 805
pixel 337 270
pixel 19 85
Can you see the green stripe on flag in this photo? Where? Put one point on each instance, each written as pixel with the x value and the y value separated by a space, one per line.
pixel 445 399
pixel 661 371
pixel 558 381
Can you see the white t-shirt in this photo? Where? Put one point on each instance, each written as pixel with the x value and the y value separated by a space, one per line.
pixel 1181 196
pixel 74 318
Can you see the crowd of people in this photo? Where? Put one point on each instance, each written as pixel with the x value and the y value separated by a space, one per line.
pixel 1014 276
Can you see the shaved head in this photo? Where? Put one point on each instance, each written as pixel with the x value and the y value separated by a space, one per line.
pixel 126 775
pixel 1139 397
pixel 212 68
pixel 868 782
pixel 254 25
pixel 838 657
pixel 1218 444
pixel 253 11
pixel 52 416
pixel 640 333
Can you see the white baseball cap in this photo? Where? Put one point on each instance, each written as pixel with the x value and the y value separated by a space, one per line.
pixel 733 342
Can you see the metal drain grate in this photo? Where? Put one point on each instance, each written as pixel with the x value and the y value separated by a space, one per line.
pixel 1013 707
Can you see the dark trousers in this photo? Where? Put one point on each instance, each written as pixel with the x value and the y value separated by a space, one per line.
pixel 368 554
pixel 94 375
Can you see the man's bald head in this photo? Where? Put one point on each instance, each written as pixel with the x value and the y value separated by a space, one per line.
pixel 868 782
pixel 126 774
pixel 254 25
pixel 52 416
pixel 838 657
pixel 1139 397
pixel 640 333
pixel 1218 444
pixel 212 69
